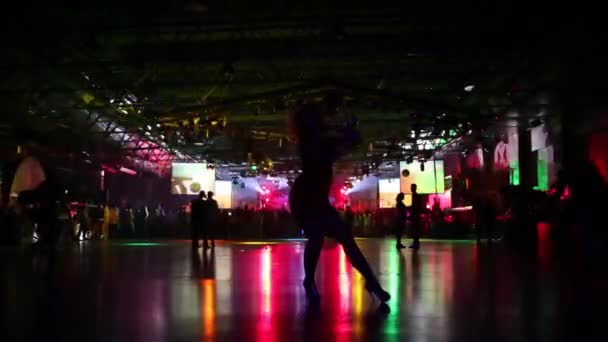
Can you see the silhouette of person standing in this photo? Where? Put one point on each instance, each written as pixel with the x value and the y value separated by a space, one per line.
pixel 197 218
pixel 416 210
pixel 400 219
pixel 319 146
pixel 212 216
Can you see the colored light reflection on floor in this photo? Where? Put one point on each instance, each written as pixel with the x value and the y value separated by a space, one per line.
pixel 208 288
pixel 266 242
pixel 358 302
pixel 153 294
pixel 266 264
pixel 141 244
pixel 393 261
pixel 344 285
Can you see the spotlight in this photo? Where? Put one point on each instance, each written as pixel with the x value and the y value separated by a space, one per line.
pixel 409 159
pixel 469 88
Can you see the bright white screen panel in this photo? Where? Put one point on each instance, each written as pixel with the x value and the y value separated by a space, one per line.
pixel 388 189
pixel 223 194
pixel 429 181
pixel 191 178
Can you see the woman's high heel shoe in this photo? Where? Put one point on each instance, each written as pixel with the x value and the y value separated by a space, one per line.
pixel 377 291
pixel 312 294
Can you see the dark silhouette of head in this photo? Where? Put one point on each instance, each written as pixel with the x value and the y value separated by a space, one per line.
pixel 202 195
pixel 400 197
pixel 414 187
pixel 210 195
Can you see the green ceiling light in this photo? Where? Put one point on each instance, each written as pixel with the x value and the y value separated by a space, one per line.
pixel 87 97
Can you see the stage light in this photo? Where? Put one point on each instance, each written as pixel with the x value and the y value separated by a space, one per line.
pixel 469 88
pixel 158 125
pixel 267 192
pixel 127 171
pixel 422 165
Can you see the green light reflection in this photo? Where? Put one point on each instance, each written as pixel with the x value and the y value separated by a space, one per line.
pixel 393 261
pixel 141 244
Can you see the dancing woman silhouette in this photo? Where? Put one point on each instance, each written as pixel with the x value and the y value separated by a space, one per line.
pixel 320 145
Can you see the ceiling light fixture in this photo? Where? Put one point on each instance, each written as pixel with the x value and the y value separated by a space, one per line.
pixel 469 88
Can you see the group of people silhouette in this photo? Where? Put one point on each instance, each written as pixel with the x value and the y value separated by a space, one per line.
pixel 416 210
pixel 204 211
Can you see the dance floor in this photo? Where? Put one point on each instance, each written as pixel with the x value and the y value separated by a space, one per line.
pixel 251 291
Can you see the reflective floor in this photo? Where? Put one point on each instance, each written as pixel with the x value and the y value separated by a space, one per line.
pixel 160 291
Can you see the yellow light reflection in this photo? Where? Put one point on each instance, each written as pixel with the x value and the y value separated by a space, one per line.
pixel 208 288
pixel 358 302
